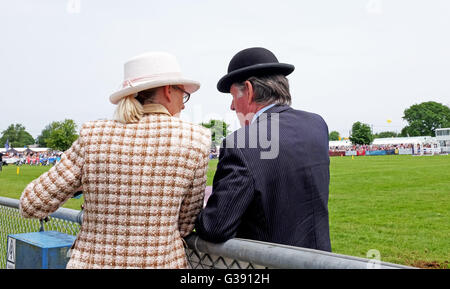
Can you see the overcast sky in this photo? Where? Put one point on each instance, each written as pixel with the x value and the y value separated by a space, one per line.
pixel 356 60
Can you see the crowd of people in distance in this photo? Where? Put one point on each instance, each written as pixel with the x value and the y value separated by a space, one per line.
pixel 32 158
pixel 408 148
pixel 213 154
pixel 373 147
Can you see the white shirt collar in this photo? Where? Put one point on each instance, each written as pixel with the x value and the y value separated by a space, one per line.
pixel 259 112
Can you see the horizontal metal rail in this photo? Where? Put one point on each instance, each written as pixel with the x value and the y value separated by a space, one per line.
pixel 274 255
pixel 62 213
pixel 257 254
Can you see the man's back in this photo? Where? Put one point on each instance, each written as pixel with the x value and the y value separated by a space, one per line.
pixel 278 197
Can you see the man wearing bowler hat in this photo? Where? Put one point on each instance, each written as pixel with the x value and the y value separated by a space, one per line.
pixel 280 197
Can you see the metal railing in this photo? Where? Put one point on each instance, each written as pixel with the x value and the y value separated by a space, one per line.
pixel 235 253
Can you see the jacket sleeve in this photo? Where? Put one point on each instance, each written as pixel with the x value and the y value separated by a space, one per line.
pixel 47 193
pixel 193 201
pixel 233 191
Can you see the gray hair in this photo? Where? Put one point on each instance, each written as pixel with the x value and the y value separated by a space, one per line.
pixel 269 89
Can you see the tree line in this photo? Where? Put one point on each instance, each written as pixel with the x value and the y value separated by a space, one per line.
pixel 423 120
pixel 59 135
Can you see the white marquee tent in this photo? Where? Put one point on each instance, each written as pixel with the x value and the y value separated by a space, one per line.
pixel 340 143
pixel 404 140
pixel 21 150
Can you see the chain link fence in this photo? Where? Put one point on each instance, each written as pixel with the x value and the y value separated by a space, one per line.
pixel 11 222
pixel 199 260
pixel 233 254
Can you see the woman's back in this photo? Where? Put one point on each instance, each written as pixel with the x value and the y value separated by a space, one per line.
pixel 143 185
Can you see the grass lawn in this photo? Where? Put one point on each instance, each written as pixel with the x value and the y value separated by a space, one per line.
pixel 211 171
pixel 398 205
pixel 13 184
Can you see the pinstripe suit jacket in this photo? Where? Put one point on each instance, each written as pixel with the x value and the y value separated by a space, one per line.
pixel 282 200
pixel 143 186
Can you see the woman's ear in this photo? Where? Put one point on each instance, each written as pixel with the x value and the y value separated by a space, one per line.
pixel 168 93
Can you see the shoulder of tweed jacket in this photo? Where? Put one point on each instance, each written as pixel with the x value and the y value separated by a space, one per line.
pixel 62 180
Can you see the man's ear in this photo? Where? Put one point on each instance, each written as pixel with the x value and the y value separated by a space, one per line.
pixel 168 93
pixel 250 92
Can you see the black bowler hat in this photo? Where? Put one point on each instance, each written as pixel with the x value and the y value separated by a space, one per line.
pixel 256 61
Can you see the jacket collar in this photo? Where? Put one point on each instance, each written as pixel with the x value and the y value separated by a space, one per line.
pixel 274 109
pixel 278 108
pixel 155 108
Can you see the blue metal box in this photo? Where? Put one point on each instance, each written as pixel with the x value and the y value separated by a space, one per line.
pixel 39 250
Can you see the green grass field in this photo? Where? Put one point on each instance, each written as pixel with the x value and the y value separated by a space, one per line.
pixel 12 184
pixel 398 205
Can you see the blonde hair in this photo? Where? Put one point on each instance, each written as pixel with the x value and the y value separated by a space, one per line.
pixel 129 110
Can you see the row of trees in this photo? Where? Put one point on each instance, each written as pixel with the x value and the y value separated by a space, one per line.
pixel 58 135
pixel 423 119
pixel 219 130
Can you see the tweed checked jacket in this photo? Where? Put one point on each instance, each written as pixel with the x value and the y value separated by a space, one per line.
pixel 143 187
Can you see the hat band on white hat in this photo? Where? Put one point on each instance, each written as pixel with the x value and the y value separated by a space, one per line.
pixel 130 82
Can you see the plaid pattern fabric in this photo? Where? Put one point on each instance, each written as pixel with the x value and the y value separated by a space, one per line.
pixel 143 188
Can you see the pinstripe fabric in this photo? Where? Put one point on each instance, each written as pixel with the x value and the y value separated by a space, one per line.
pixel 282 200
pixel 143 186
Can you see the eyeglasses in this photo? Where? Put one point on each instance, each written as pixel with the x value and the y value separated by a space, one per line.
pixel 186 95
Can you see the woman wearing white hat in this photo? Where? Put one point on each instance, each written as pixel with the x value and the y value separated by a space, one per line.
pixel 143 174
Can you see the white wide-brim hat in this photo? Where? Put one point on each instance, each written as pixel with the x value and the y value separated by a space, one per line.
pixel 150 70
